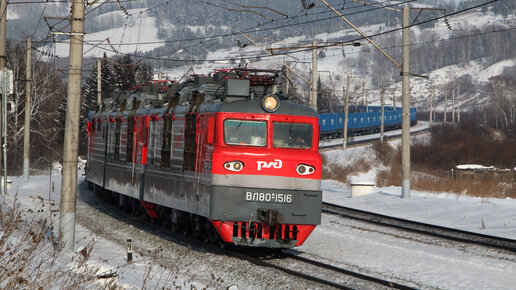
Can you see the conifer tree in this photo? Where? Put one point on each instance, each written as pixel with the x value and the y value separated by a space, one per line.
pixel 124 72
pixel 144 74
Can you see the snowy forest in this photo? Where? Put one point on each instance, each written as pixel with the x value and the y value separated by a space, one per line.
pixel 194 20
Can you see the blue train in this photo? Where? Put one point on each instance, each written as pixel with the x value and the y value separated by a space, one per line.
pixel 362 120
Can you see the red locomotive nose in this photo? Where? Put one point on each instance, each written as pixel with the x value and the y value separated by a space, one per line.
pixel 252 161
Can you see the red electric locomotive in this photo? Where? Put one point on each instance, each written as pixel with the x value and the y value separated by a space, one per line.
pixel 225 157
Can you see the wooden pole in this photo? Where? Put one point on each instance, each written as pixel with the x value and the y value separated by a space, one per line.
pixel 26 127
pixel 346 113
pixel 71 141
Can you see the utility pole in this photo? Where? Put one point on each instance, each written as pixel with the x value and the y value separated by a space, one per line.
pixel 346 113
pixel 99 82
pixel 405 116
pixel 362 98
pixel 382 101
pixel 453 106
pixel 5 84
pixel 458 103
pixel 26 128
pixel 366 95
pixel 313 81
pixel 405 159
pixel 287 81
pixel 485 116
pixel 445 105
pixel 394 99
pixel 431 108
pixel 71 144
pixel 3 22
pixel 3 57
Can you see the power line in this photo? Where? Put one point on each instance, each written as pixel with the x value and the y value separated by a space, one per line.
pixel 262 56
pixel 251 29
pixel 438 40
pixel 212 38
pixel 377 34
pixel 398 29
pixel 302 50
pixel 39 21
pixel 207 39
pixel 158 5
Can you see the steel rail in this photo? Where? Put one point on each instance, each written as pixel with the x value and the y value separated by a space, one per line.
pixel 422 228
pixel 298 274
pixel 375 280
pixel 353 277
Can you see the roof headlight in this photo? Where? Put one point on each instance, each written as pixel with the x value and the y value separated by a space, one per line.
pixel 270 103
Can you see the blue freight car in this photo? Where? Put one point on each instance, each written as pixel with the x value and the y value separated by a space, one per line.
pixel 363 120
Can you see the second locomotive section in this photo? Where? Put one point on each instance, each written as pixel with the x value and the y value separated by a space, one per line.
pixel 229 152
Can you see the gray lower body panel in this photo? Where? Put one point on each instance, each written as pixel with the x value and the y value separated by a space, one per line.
pixel 233 204
pixel 189 192
pixel 178 190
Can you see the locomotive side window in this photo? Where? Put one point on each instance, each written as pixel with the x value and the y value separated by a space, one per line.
pixel 117 138
pixel 151 152
pixel 292 135
pixel 130 130
pixel 241 132
pixel 167 142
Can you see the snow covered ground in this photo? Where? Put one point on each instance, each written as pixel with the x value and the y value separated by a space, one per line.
pixel 489 216
pixel 412 259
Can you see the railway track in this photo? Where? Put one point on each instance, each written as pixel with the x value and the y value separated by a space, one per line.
pixel 314 271
pixel 277 259
pixel 422 228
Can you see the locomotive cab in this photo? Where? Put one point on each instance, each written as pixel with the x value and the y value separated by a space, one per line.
pixel 265 173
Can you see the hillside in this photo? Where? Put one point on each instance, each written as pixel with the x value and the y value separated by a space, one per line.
pixel 174 36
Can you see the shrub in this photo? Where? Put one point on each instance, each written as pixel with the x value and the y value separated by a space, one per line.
pixel 469 143
pixel 341 173
pixel 383 152
pixel 29 248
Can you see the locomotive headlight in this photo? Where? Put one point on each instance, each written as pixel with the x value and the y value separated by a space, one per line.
pixel 234 165
pixel 303 169
pixel 270 103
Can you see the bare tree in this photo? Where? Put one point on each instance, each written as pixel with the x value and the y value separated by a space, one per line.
pixel 48 95
pixel 503 99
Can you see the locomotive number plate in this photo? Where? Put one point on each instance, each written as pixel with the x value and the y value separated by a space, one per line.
pixel 268 197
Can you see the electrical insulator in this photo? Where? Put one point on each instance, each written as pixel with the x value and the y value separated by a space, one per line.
pixel 447 23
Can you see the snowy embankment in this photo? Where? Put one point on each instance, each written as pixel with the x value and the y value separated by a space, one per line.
pixel 108 256
pixel 409 257
pixel 489 216
pixel 159 260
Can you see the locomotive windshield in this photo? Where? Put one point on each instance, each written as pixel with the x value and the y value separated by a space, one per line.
pixel 292 135
pixel 241 132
